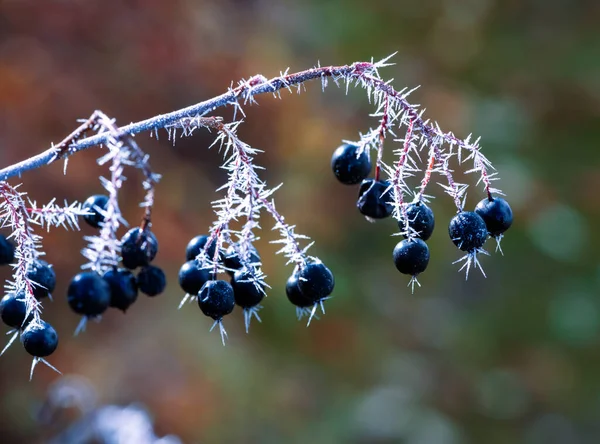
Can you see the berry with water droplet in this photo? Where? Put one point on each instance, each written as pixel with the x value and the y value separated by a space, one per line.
pixel 468 231
pixel 216 299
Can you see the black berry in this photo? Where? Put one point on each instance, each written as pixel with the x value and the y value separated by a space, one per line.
pixel 315 281
pixel 216 299
pixel 497 215
pixel 349 168
pixel 151 280
pixel 88 294
pixel 13 311
pixel 95 205
pixel 123 288
pixel 7 251
pixel 468 231
pixel 294 294
pixel 232 260
pixel 192 278
pixel 138 248
pixel 420 219
pixel 39 339
pixel 41 274
pixel 245 292
pixel 411 256
pixel 372 202
pixel 196 245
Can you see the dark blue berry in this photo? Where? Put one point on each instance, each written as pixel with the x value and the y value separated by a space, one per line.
pixel 349 168
pixel 294 294
pixel 123 288
pixel 138 248
pixel 88 294
pixel 151 280
pixel 216 299
pixel 196 245
pixel 411 256
pixel 192 277
pixel 39 339
pixel 7 251
pixel 232 260
pixel 13 311
pixel 420 219
pixel 468 231
pixel 41 274
pixel 372 202
pixel 497 215
pixel 245 292
pixel 315 281
pixel 95 205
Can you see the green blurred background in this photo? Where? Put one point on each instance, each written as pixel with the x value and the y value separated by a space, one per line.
pixel 514 358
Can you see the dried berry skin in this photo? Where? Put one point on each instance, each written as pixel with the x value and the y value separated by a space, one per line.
pixel 294 294
pixel 138 248
pixel 216 299
pixel 123 288
pixel 39 339
pixel 468 231
pixel 347 167
pixel 13 311
pixel 151 280
pixel 411 256
pixel 315 281
pixel 88 294
pixel 232 260
pixel 245 292
pixel 92 204
pixel 420 219
pixel 7 251
pixel 371 200
pixel 42 275
pixel 196 245
pixel 192 278
pixel 496 213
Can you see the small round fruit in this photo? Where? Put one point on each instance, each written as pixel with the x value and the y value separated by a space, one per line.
pixel 468 231
pixel 216 299
pixel 195 245
pixel 88 294
pixel 39 339
pixel 43 277
pixel 497 215
pixel 348 167
pixel 123 288
pixel 95 205
pixel 192 278
pixel 294 294
pixel 138 248
pixel 151 280
pixel 232 260
pixel 420 219
pixel 7 251
pixel 372 202
pixel 13 311
pixel 245 292
pixel 411 256
pixel 315 281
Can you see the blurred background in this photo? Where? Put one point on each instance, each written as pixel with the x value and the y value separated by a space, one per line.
pixel 514 358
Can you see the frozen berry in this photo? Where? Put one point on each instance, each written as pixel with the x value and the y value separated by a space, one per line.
pixel 294 294
pixel 468 231
pixel 196 245
pixel 123 288
pixel 216 299
pixel 348 167
pixel 411 256
pixel 192 277
pixel 420 219
pixel 315 281
pixel 7 251
pixel 39 339
pixel 13 311
pixel 232 260
pixel 95 205
pixel 138 248
pixel 151 280
pixel 247 294
pixel 88 294
pixel 372 202
pixel 497 215
pixel 41 274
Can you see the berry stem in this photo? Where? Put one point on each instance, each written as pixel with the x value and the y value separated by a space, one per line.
pixel 382 133
pixel 401 213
